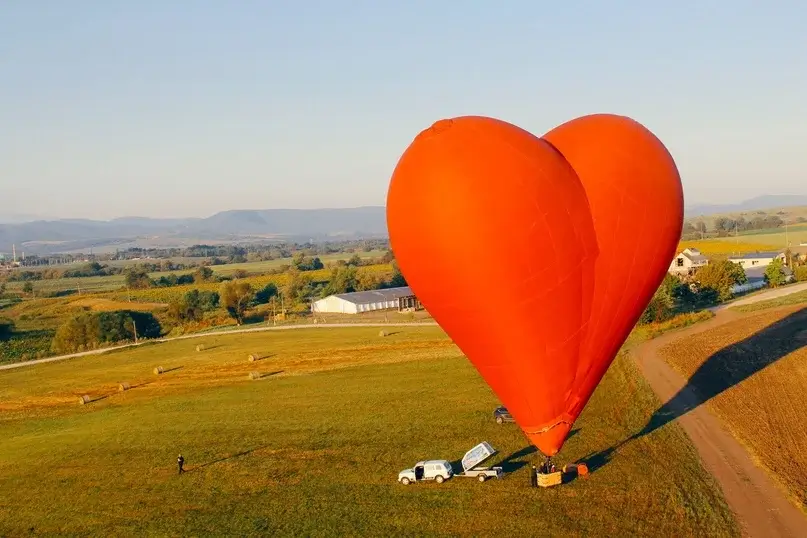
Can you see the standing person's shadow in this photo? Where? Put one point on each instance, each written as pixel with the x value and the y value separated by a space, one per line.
pixel 726 368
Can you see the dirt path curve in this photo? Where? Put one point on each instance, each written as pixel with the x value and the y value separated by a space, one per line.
pixel 217 333
pixel 760 506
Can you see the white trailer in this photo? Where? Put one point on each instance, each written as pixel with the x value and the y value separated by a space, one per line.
pixel 474 457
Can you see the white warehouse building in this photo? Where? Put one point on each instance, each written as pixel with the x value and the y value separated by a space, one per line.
pixel 401 299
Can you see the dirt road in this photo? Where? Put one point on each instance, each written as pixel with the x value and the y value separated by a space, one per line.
pixel 759 505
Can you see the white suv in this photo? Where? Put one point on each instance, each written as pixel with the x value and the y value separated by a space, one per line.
pixel 437 470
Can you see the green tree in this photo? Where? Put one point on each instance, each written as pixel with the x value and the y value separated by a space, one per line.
pixel 303 263
pixel 661 306
pixel 6 328
pixel 2 288
pixel 298 287
pixel 89 330
pixel 203 274
pixel 354 260
pixel 775 274
pixel 367 280
pixel 720 276
pixel 137 278
pixel 800 273
pixel 342 280
pixel 388 257
pixel 188 308
pixel 235 297
pixel 209 300
pixel 397 280
pixel 264 295
pixel 28 288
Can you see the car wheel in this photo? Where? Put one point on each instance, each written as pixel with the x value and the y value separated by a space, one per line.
pixel 499 420
pixel 405 481
pixel 439 479
pixel 481 478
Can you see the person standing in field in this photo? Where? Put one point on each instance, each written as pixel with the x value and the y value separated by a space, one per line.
pixel 180 463
pixel 533 477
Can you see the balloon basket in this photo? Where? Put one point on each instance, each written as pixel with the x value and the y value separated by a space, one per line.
pixel 550 479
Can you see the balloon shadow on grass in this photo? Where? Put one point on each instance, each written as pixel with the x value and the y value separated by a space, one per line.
pixel 723 370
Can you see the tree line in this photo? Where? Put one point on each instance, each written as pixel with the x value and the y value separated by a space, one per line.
pixel 726 226
pixel 221 253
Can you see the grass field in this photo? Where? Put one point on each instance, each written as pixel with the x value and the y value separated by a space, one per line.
pixel 754 370
pixel 793 299
pixel 315 448
pixel 116 282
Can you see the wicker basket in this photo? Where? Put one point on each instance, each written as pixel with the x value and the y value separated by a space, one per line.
pixel 551 479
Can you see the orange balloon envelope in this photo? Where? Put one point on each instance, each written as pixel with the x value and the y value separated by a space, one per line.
pixel 536 255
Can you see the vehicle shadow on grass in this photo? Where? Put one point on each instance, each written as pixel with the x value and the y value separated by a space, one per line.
pixel 723 370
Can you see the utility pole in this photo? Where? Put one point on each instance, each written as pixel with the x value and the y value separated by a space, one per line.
pixel 736 237
pixel 134 328
pixel 787 238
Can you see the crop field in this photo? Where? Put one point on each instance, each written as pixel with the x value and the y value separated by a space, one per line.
pixel 728 246
pixel 313 447
pixel 116 282
pixel 754 372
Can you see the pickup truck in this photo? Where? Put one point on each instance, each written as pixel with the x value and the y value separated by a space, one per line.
pixel 474 457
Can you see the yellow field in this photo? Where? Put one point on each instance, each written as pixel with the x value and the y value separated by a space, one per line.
pixel 727 246
pixel 107 305
pixel 753 372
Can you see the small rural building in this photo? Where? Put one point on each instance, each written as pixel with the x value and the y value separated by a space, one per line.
pixel 756 279
pixel 401 299
pixel 688 261
pixel 757 259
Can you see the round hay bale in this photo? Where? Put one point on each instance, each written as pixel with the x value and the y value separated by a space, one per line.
pixel 200 347
pixel 84 400
pixel 254 375
pixel 382 334
pixel 158 370
pixel 124 386
pixel 253 357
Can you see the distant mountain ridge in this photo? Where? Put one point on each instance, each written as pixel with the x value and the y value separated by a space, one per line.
pixel 754 204
pixel 65 235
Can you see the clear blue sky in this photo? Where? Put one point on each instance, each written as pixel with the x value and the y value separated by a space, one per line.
pixel 185 108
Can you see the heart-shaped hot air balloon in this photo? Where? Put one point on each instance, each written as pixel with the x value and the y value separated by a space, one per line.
pixel 536 255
